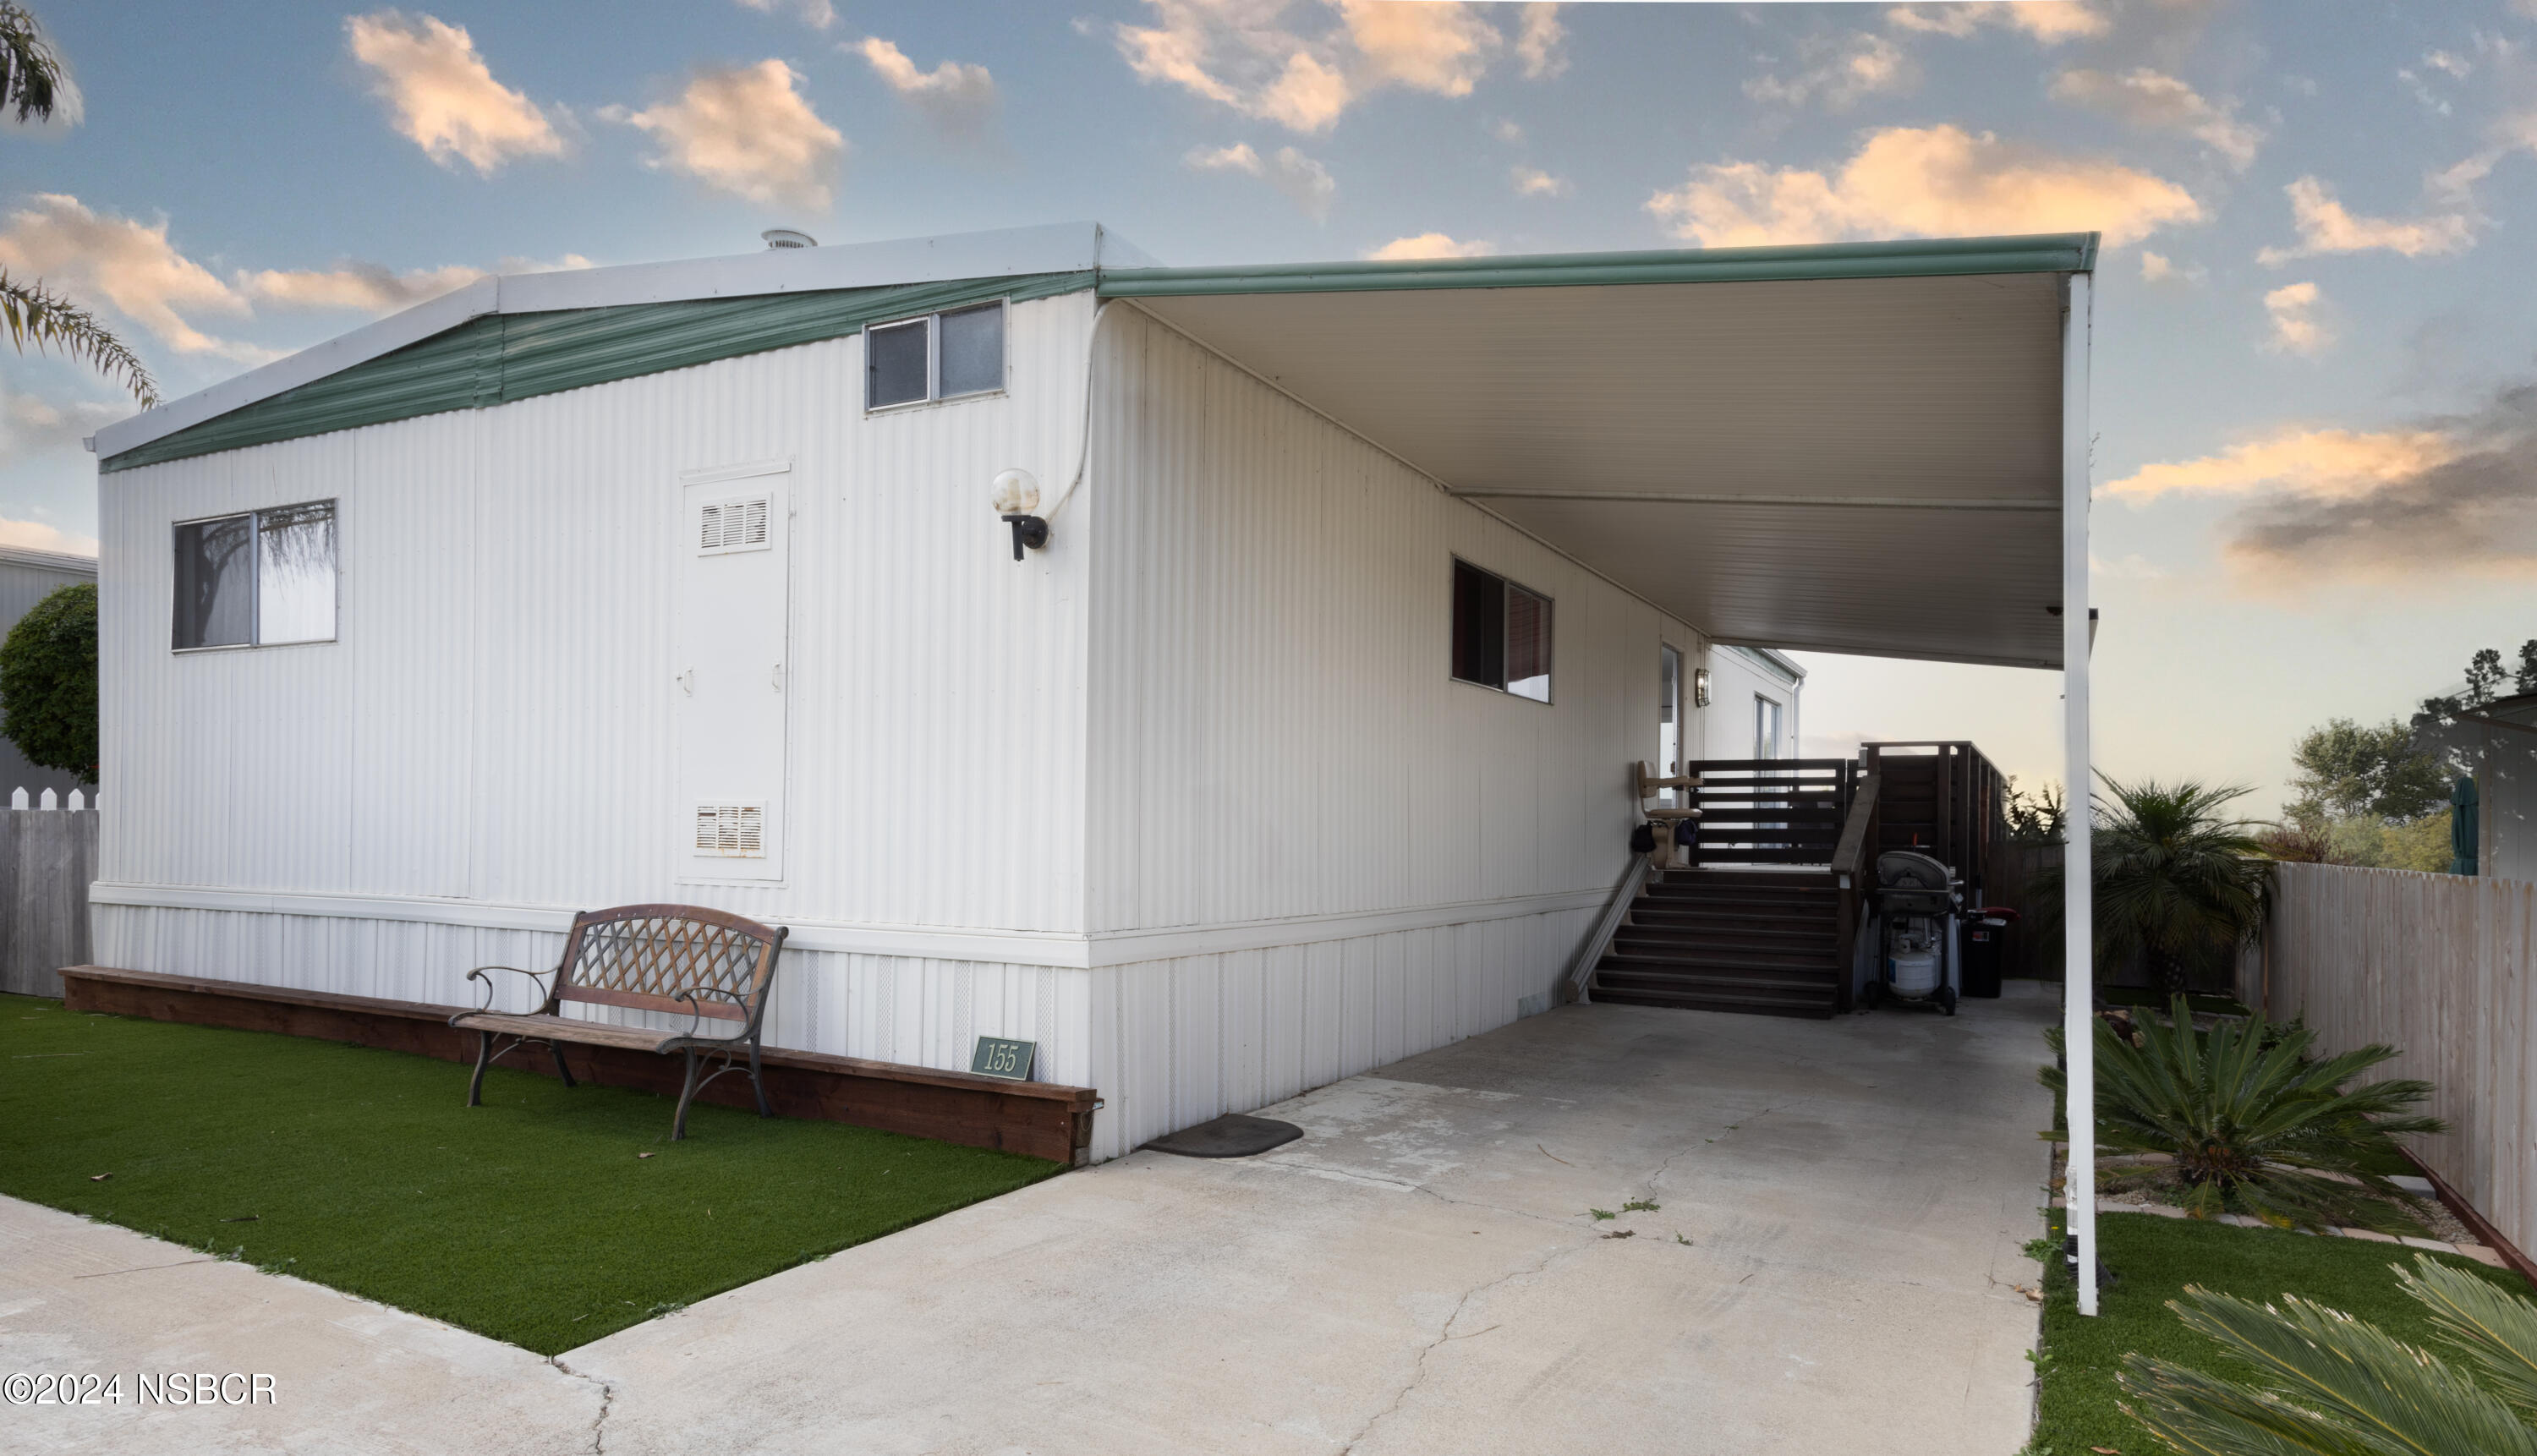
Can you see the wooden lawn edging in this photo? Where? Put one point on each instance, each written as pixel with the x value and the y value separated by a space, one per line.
pixel 1041 1119
pixel 2476 1223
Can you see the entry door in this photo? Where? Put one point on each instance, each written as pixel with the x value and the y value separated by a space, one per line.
pixel 733 609
pixel 1669 714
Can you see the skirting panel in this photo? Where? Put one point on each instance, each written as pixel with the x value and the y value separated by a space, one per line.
pixel 1166 1042
pixel 1178 1041
pixel 917 1012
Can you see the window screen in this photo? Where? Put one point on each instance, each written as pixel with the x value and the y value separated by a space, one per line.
pixel 215 583
pixel 973 351
pixel 1501 633
pixel 894 361
pixel 261 579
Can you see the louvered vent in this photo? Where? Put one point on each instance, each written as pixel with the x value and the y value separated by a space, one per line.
pixel 733 526
pixel 732 831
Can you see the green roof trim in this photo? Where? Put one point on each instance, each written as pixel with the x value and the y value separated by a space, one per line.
pixel 497 358
pixel 2063 252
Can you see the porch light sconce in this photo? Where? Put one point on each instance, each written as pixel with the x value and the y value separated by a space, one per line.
pixel 1700 687
pixel 1016 499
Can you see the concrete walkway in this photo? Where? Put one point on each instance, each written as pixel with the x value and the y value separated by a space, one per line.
pixel 1833 1264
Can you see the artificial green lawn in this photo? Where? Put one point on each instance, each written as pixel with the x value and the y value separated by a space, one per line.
pixel 530 1219
pixel 2157 1258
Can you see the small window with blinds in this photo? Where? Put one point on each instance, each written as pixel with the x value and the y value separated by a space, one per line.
pixel 732 831
pixel 732 526
pixel 954 355
pixel 1500 634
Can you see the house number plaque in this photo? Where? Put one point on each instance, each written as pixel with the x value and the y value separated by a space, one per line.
pixel 997 1057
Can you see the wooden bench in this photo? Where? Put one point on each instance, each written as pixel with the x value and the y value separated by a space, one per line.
pixel 682 959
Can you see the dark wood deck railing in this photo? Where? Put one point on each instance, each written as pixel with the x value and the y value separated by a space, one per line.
pixel 1769 810
pixel 1944 798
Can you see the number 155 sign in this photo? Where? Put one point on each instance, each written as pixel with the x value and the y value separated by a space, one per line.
pixel 997 1057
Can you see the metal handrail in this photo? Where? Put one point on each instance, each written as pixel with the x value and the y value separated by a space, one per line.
pixel 1634 876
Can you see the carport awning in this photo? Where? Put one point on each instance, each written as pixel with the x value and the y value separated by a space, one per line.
pixel 1851 448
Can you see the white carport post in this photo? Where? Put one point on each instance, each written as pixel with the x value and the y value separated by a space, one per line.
pixel 2078 998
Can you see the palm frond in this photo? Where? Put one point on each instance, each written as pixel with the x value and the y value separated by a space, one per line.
pixel 34 313
pixel 31 73
pixel 2393 1395
pixel 2496 1330
pixel 2206 1415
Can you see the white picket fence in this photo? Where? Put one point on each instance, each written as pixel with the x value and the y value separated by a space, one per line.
pixel 47 861
pixel 49 801
pixel 2443 968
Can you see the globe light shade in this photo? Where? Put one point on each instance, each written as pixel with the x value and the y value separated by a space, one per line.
pixel 1017 493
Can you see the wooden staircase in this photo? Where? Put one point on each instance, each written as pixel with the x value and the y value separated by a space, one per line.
pixel 1767 943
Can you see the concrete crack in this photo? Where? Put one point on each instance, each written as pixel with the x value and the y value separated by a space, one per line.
pixel 1444 1335
pixel 606 1403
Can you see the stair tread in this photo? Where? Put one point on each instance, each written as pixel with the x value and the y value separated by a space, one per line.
pixel 1676 971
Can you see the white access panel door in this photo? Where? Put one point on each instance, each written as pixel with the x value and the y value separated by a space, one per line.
pixel 729 685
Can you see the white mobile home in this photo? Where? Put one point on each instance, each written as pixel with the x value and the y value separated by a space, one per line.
pixel 1298 744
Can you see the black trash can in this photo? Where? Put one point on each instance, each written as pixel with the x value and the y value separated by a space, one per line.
pixel 1986 936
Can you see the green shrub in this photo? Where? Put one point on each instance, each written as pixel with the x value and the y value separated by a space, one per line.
pixel 2256 1124
pixel 48 683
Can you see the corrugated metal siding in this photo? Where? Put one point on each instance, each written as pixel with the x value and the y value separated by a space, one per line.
pixel 1179 1041
pixel 494 721
pixel 1275 733
pixel 499 358
pixel 1274 730
pixel 1734 682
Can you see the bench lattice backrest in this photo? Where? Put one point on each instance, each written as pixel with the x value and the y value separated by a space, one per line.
pixel 643 955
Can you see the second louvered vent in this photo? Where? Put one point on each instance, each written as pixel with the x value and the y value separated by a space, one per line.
pixel 733 526
pixel 732 831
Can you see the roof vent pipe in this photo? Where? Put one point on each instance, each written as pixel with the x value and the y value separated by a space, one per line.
pixel 785 237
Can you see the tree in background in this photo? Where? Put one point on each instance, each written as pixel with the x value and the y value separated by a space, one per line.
pixel 48 683
pixel 2036 816
pixel 2344 769
pixel 2483 675
pixel 2365 796
pixel 33 86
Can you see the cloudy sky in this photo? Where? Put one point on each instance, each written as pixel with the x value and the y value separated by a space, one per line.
pixel 2317 346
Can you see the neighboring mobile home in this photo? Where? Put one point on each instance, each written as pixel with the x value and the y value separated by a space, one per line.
pixel 1300 744
pixel 27 577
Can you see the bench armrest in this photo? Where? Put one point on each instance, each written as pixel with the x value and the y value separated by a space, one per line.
pixel 696 1021
pixel 540 977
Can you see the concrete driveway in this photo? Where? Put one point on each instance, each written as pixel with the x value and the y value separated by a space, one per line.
pixel 1833 1265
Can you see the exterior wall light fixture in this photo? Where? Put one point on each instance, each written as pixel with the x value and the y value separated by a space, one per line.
pixel 1017 502
pixel 1700 687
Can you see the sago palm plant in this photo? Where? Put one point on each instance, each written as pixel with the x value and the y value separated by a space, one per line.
pixel 2255 1124
pixel 2327 1384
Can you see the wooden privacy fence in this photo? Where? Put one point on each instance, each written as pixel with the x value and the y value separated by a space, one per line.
pixel 2438 967
pixel 48 860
